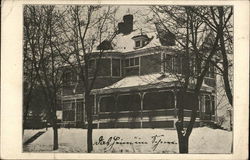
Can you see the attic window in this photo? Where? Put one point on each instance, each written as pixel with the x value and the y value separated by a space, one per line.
pixel 140 40
pixel 137 44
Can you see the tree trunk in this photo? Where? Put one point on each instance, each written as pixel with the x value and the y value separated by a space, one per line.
pixel 55 130
pixel 25 115
pixel 54 125
pixel 89 136
pixel 225 69
pixel 90 125
pixel 183 143
pixel 182 138
pixel 224 57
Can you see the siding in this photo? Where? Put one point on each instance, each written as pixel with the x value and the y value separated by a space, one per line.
pixel 154 61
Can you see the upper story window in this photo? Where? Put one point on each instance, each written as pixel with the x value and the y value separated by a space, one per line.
pixel 69 77
pixel 104 68
pixel 132 62
pixel 173 64
pixel 66 77
pixel 211 71
pixel 116 67
pixel 178 64
pixel 91 67
pixel 100 66
pixel 132 66
pixel 177 67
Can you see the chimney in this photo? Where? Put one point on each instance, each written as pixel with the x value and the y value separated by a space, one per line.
pixel 126 26
pixel 121 27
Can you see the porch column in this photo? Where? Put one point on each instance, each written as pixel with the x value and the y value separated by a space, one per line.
pixel 162 63
pixel 75 112
pixel 215 108
pixel 116 116
pixel 175 104
pixel 211 106
pixel 98 110
pixel 200 107
pixel 142 98
pixel 83 110
pixel 95 107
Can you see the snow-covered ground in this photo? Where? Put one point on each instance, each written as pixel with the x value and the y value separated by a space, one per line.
pixel 28 133
pixel 202 140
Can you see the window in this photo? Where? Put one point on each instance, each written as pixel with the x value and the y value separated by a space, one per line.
pixel 137 44
pixel 131 62
pixel 193 66
pixel 69 77
pixel 158 100
pixel 185 65
pixel 210 72
pixel 137 61
pixel 69 111
pixel 79 110
pixel 207 105
pixel 116 67
pixel 213 105
pixel 107 104
pixel 104 67
pixel 173 64
pixel 168 63
pixel 126 62
pixel 129 102
pixel 177 64
pixel 132 66
pixel 91 67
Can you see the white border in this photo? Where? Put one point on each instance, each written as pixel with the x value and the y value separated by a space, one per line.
pixel 11 83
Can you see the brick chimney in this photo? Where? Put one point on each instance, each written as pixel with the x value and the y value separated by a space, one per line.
pixel 126 26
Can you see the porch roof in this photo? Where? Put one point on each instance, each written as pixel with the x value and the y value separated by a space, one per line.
pixel 144 82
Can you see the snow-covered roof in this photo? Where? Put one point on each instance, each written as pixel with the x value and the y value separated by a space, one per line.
pixel 125 43
pixel 132 81
pixel 157 80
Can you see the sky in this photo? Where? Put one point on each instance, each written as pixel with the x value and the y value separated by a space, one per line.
pixel 140 14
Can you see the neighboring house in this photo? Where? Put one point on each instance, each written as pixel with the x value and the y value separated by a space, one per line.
pixel 137 84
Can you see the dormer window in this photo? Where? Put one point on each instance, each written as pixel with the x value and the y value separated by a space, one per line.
pixel 140 41
pixel 137 44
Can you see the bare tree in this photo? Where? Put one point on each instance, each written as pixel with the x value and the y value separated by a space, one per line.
pixel 39 32
pixel 191 36
pixel 29 81
pixel 219 19
pixel 85 28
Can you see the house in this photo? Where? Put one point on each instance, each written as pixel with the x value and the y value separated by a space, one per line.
pixel 137 85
